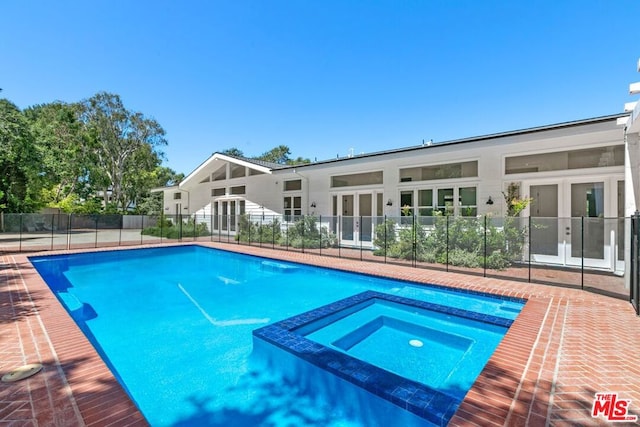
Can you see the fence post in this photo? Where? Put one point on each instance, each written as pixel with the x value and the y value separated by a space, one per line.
pixel 96 242
pixel 141 230
pixel 360 235
pixel 20 238
pixel 273 232
pixel 634 291
pixel 414 243
pixel 52 224
pixel 530 242
pixel 320 231
pixel 304 225
pixel 338 236
pixel 385 238
pixel 582 252
pixel 447 240
pixel 485 246
pixel 69 231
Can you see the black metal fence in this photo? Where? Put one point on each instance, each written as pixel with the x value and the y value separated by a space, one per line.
pixel 585 253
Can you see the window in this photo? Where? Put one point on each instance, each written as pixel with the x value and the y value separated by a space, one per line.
pixel 406 203
pixel 467 201
pixel 425 202
pixel 177 196
pixel 292 207
pixel 220 174
pixel 237 171
pixel 240 189
pixel 564 160
pixel 253 172
pixel 442 200
pixel 207 179
pixel 293 185
pixel 367 178
pixel 446 171
pixel 216 192
pixel 445 201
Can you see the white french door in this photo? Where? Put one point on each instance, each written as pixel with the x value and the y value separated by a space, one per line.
pixel 573 222
pixel 356 218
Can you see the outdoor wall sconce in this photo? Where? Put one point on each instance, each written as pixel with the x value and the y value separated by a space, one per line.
pixel 313 204
pixel 389 202
pixel 490 201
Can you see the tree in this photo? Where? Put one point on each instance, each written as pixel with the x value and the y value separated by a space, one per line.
pixel 126 146
pixel 298 161
pixel 19 161
pixel 150 203
pixel 279 154
pixel 60 140
pixel 235 152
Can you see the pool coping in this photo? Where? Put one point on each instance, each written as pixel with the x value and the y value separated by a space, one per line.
pixel 413 396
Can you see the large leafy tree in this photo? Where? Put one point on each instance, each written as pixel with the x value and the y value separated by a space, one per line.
pixel 280 154
pixel 66 158
pixel 126 146
pixel 19 161
pixel 151 203
pixel 233 152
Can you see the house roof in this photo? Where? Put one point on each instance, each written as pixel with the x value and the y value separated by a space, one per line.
pixel 562 125
pixel 270 165
pixel 218 158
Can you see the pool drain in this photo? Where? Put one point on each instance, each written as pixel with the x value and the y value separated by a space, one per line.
pixel 22 372
pixel 416 343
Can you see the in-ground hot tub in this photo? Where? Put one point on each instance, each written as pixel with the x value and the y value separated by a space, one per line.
pixel 420 356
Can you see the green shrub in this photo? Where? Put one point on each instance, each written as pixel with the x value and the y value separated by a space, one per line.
pixel 384 237
pixel 255 232
pixel 462 258
pixel 305 233
pixel 169 230
pixel 458 241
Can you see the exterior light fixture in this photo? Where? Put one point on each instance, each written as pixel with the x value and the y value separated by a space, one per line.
pixel 389 202
pixel 313 204
pixel 490 201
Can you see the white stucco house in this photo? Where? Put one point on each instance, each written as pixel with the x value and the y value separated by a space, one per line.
pixel 571 170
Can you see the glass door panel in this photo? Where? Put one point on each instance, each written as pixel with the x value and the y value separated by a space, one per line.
pixel 587 200
pixel 544 221
pixel 232 215
pixel 347 217
pixel 365 206
pixel 225 217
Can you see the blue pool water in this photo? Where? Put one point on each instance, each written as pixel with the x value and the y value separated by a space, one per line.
pixel 175 326
pixel 450 351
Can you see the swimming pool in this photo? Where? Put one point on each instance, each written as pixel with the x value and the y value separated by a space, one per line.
pixel 175 326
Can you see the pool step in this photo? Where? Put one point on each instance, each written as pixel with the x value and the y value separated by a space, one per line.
pixel 80 311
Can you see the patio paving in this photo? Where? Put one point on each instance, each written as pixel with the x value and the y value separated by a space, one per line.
pixel 566 346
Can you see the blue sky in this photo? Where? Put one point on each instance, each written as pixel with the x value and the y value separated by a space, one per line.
pixel 324 77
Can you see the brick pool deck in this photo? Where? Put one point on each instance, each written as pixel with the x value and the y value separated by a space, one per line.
pixel 565 346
